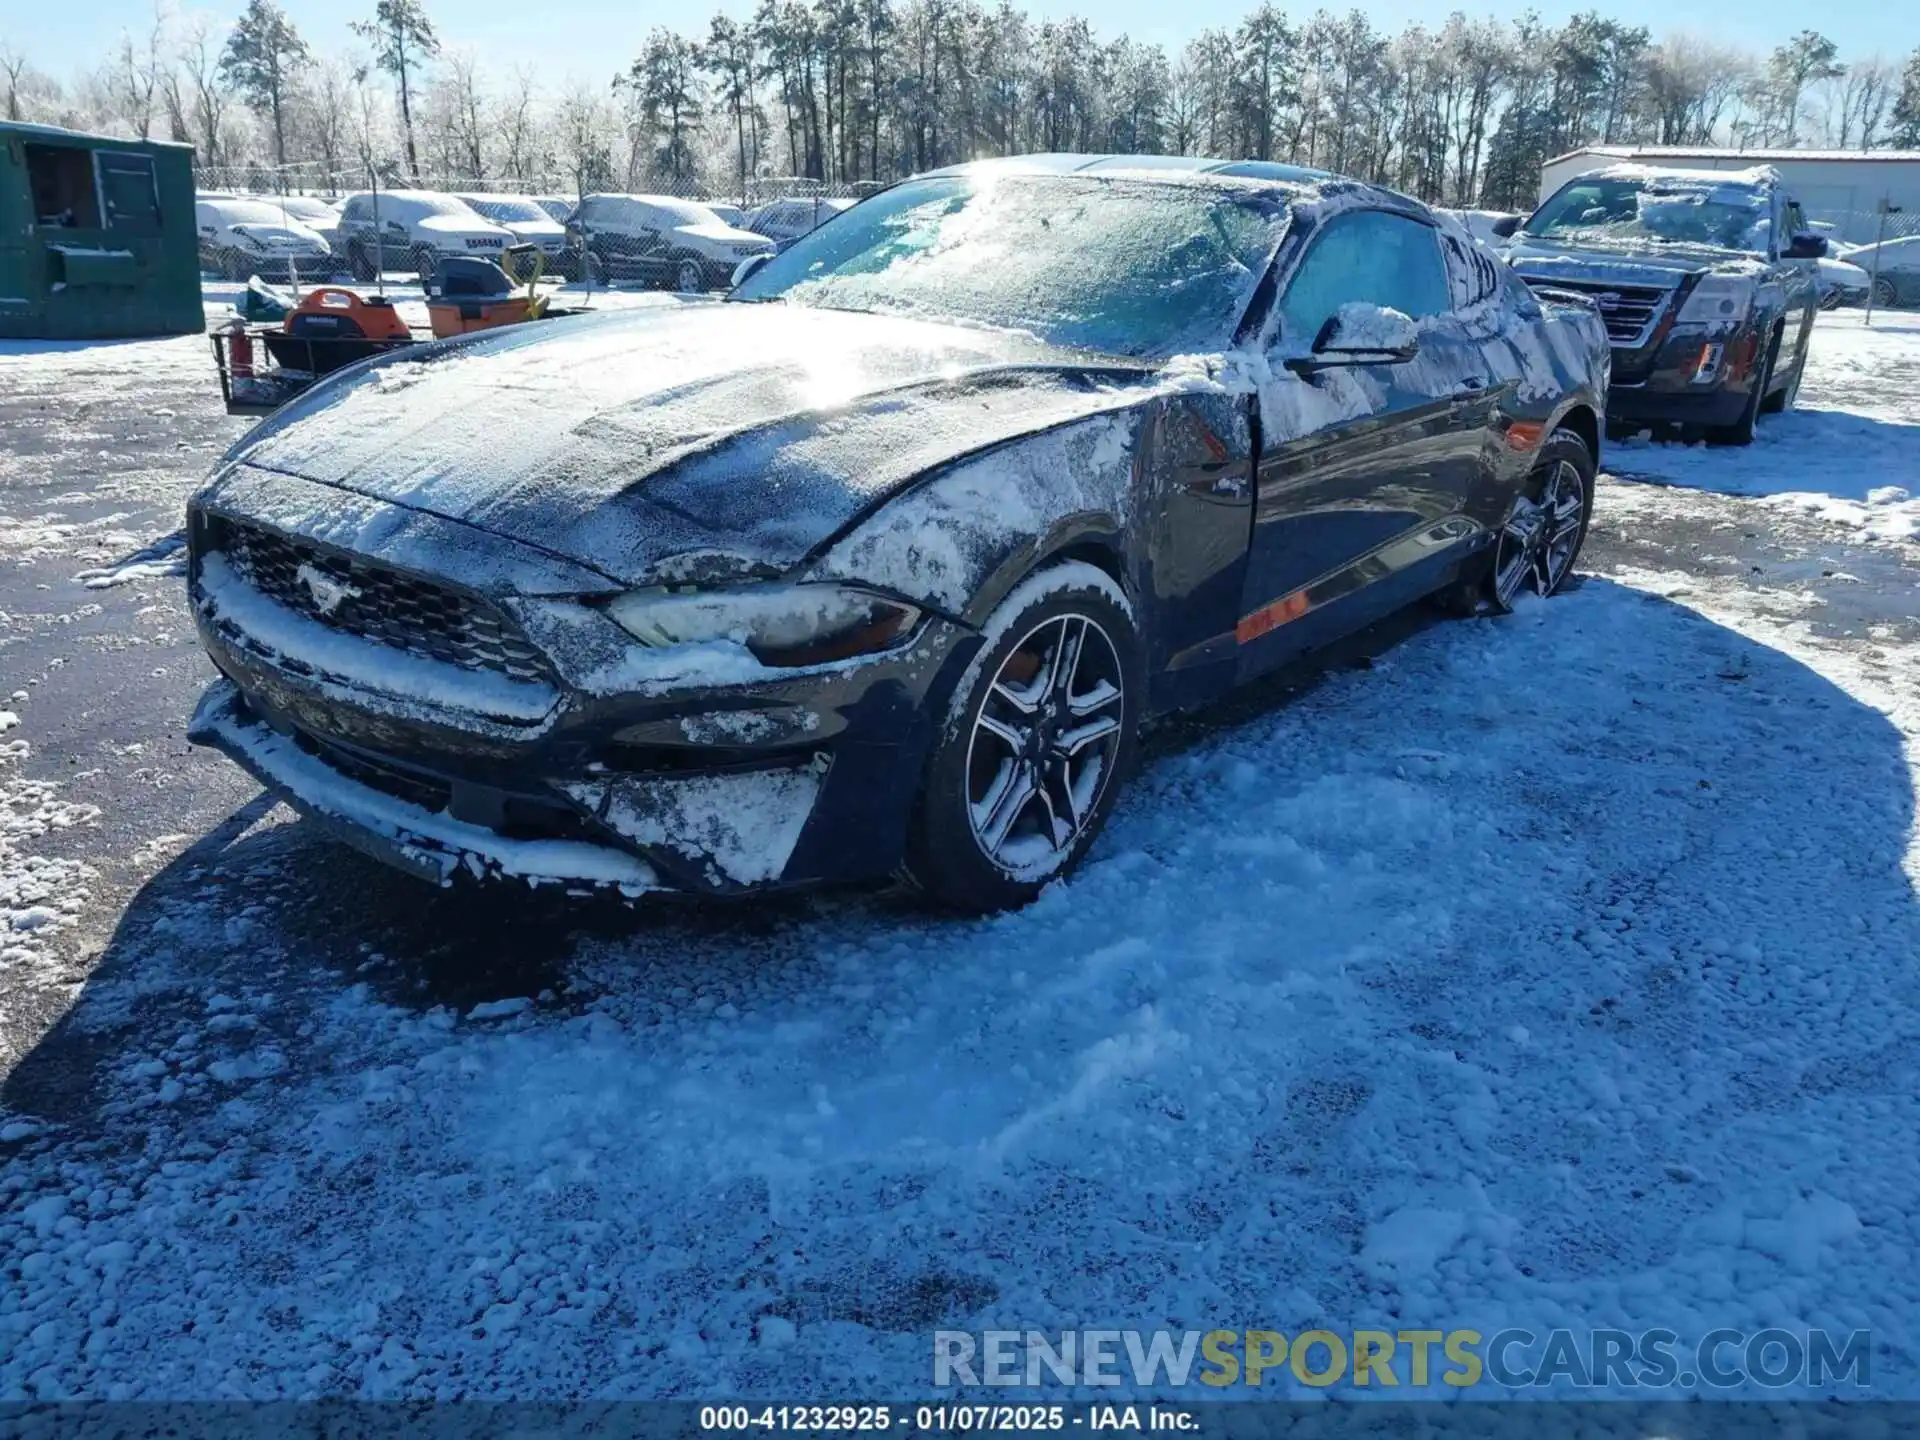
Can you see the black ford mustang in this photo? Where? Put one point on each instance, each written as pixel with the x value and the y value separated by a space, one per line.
pixel 881 563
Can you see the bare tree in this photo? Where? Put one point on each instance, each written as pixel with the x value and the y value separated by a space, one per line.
pixel 136 74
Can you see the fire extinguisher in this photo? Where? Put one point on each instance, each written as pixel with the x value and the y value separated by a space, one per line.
pixel 239 349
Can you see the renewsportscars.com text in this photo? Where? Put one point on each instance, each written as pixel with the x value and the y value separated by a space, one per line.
pixel 1513 1359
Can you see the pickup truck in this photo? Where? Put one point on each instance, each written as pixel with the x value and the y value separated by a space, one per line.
pixel 1706 282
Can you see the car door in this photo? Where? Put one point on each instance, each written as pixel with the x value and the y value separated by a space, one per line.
pixel 650 226
pixel 1365 468
pixel 1802 287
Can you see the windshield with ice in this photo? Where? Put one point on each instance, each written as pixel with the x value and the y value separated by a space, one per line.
pixel 507 212
pixel 1657 210
pixel 1126 267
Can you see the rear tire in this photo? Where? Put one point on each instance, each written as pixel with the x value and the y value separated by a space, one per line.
pixel 425 263
pixel 1884 293
pixel 234 265
pixel 360 264
pixel 1037 738
pixel 689 278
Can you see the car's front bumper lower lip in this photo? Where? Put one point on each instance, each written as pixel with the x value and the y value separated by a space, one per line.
pixel 432 846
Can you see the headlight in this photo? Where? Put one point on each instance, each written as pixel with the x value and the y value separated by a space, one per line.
pixel 1718 300
pixel 784 625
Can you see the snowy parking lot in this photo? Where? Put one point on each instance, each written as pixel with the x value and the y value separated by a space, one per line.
pixel 1555 970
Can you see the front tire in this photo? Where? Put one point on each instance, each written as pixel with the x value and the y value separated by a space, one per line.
pixel 689 278
pixel 1741 431
pixel 426 264
pixel 1040 731
pixel 1788 395
pixel 1884 294
pixel 1544 530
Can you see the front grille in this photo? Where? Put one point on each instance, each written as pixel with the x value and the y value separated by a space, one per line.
pixel 1628 311
pixel 379 604
pixel 482 242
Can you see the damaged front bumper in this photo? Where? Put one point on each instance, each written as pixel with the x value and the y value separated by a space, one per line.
pixel 786 783
pixel 432 845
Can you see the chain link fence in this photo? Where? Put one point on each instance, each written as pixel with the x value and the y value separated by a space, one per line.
pixel 317 179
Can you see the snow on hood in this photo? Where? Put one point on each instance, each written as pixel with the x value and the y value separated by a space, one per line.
pixel 292 235
pixel 695 441
pixel 719 233
pixel 456 225
pixel 1605 264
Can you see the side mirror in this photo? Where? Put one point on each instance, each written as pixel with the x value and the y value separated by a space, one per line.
pixel 1505 226
pixel 1806 246
pixel 1359 333
pixel 746 268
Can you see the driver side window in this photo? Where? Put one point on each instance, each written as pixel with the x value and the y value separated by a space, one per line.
pixel 1364 255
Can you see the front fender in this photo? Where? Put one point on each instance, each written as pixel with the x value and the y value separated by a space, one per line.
pixel 958 540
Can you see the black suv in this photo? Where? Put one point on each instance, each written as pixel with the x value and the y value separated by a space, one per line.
pixel 1706 280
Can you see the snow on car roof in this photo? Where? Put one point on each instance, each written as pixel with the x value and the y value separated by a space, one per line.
pixel 1758 177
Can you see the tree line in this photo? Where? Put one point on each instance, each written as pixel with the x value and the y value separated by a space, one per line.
pixel 851 92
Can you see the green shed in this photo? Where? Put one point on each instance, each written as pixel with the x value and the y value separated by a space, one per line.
pixel 97 236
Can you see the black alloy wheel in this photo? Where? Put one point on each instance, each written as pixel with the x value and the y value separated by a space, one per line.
pixel 1543 532
pixel 1040 731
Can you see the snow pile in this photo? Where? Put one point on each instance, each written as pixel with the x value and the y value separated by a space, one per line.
pixel 39 895
pixel 1850 451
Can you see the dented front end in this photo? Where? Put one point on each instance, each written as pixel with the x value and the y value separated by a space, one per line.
pixel 502 724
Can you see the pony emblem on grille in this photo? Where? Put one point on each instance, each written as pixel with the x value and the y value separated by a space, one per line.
pixel 328 593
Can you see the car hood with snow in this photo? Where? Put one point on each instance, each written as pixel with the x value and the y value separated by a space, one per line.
pixel 281 236
pixel 452 227
pixel 1624 264
pixel 692 441
pixel 718 238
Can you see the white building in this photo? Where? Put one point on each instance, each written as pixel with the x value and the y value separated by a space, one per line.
pixel 1844 188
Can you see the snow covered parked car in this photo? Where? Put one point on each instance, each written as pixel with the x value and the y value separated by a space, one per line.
pixel 240 237
pixel 1842 283
pixel 1705 279
pixel 523 217
pixel 414 230
pixel 785 221
pixel 884 560
pixel 1894 268
pixel 658 240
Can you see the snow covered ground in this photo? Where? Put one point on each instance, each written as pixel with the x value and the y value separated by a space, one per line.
pixel 1550 970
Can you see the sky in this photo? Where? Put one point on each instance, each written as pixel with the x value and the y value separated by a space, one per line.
pixel 591 38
